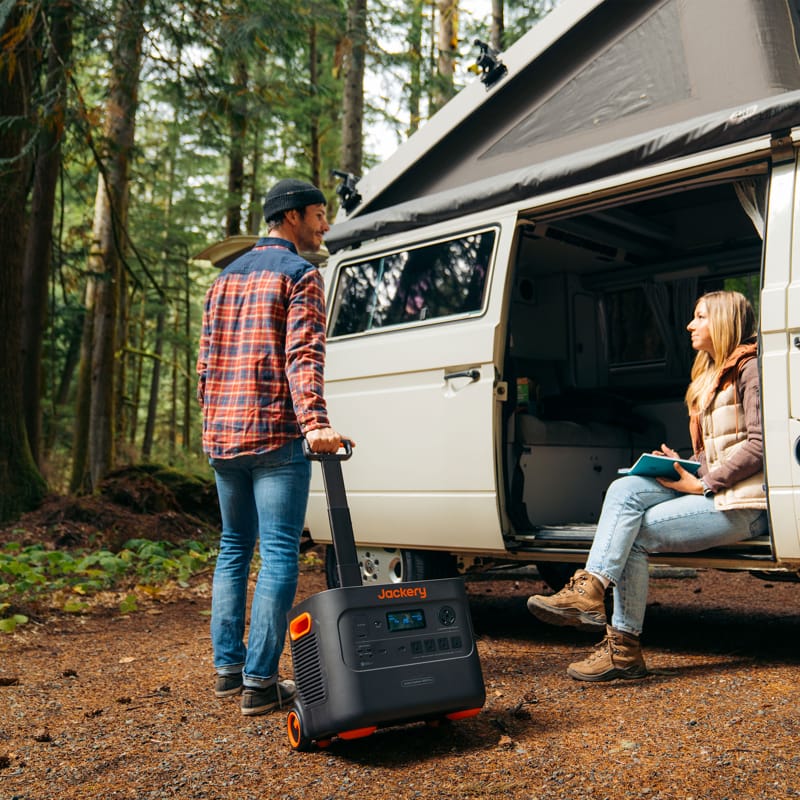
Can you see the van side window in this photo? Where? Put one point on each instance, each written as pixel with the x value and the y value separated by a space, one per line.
pixel 633 332
pixel 423 283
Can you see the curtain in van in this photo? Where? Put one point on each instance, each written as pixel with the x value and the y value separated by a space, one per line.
pixel 673 306
pixel 752 194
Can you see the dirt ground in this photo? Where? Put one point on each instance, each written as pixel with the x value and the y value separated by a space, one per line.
pixel 122 706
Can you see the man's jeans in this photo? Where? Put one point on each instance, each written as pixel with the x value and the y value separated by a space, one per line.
pixel 261 497
pixel 641 516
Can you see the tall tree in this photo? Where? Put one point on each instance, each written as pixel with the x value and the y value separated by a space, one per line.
pixel 109 244
pixel 355 48
pixel 22 485
pixel 39 243
pixel 237 122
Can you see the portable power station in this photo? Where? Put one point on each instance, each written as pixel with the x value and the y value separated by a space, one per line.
pixel 367 657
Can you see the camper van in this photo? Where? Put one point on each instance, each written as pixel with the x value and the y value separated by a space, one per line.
pixel 508 293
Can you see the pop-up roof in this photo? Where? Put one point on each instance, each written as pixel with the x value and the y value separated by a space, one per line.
pixel 595 87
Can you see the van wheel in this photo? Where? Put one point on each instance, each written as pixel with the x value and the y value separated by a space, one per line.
pixel 393 565
pixel 556 574
pixel 423 565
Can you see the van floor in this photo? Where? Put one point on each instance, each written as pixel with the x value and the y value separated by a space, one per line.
pixel 571 539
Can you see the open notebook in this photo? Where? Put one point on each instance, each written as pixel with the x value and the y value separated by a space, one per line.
pixel 652 466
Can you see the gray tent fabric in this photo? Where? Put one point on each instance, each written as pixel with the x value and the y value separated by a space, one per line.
pixel 773 115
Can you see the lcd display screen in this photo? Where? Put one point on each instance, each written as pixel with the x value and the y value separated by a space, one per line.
pixel 405 620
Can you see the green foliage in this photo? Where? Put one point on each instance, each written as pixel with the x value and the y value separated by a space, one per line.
pixel 33 574
pixel 9 624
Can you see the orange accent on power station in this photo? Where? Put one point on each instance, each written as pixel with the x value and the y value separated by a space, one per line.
pixel 470 712
pixel 300 626
pixel 358 733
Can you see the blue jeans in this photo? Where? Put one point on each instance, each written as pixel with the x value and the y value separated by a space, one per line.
pixel 261 497
pixel 641 516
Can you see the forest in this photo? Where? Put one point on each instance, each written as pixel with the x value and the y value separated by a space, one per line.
pixel 135 133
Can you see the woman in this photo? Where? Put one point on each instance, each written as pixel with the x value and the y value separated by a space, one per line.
pixel 724 503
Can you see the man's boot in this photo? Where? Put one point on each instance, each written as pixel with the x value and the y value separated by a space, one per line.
pixel 619 655
pixel 579 604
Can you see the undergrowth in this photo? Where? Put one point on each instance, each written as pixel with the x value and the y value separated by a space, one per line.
pixel 33 574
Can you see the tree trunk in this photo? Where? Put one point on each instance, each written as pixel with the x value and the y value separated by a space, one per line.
pixel 136 393
pixel 155 382
pixel 173 409
pixel 189 362
pixel 79 480
pixel 447 38
pixel 122 394
pixel 61 394
pixel 498 25
pixel 104 269
pixel 314 146
pixel 237 120
pixel 415 66
pixel 38 248
pixel 256 214
pixel 353 100
pixel 109 242
pixel 22 485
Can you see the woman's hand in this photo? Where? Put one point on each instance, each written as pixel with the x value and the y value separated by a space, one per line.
pixel 686 483
pixel 666 451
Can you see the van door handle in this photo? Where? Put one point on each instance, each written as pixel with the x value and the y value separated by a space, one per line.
pixel 472 374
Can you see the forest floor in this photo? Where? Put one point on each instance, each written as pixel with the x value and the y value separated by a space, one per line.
pixel 110 705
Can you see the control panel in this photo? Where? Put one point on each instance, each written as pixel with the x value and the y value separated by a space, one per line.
pixel 379 637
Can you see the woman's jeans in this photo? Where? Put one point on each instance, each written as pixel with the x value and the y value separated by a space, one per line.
pixel 641 516
pixel 261 497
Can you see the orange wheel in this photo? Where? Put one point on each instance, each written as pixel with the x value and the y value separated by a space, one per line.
pixel 297 737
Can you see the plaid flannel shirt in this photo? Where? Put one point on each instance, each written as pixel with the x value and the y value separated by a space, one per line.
pixel 262 352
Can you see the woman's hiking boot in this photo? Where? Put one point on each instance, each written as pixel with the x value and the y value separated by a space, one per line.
pixel 619 655
pixel 579 604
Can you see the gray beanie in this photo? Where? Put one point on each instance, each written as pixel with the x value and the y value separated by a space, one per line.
pixel 290 193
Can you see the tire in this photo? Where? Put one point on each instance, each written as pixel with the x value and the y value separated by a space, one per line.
pixel 423 565
pixel 394 565
pixel 296 731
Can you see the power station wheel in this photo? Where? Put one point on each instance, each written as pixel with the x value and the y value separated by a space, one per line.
pixel 297 736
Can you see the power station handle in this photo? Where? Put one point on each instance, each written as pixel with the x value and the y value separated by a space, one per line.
pixel 344 545
pixel 312 456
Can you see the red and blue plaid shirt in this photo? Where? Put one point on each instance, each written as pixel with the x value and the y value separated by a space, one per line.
pixel 262 352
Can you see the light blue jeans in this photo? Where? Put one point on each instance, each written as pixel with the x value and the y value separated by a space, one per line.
pixel 641 516
pixel 261 497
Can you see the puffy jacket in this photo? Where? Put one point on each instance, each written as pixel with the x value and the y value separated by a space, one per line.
pixel 727 435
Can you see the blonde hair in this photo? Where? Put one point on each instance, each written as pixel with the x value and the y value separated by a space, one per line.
pixel 731 321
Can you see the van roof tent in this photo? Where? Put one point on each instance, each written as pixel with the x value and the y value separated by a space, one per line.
pixel 596 87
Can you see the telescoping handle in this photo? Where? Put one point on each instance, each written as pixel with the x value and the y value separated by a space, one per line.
pixel 312 456
pixel 344 545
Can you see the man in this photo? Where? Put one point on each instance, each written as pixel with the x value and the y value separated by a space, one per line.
pixel 260 367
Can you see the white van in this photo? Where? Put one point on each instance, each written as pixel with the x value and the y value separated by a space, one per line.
pixel 501 344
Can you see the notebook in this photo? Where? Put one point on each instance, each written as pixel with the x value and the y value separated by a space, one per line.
pixel 652 466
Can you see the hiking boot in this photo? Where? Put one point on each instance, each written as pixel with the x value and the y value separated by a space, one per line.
pixel 260 701
pixel 619 655
pixel 228 685
pixel 579 604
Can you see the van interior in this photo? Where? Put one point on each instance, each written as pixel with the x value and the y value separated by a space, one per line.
pixel 598 357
